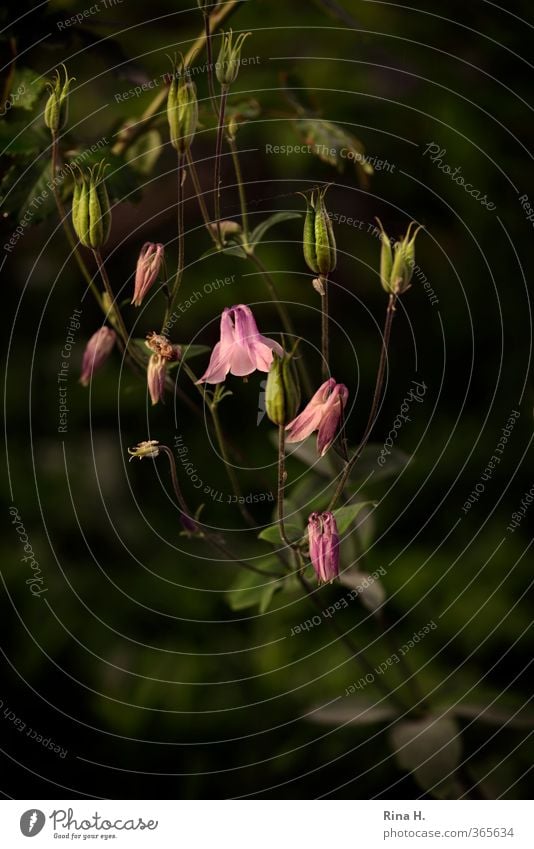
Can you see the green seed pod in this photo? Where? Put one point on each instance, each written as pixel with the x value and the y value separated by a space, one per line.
pixel 319 243
pixel 282 393
pixel 91 215
pixel 56 108
pixel 182 112
pixel 227 65
pixel 397 266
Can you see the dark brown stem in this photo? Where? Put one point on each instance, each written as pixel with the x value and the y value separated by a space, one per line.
pixel 325 340
pixel 113 304
pixel 217 167
pixel 175 484
pixel 390 313
pixel 200 197
pixel 209 54
pixel 281 484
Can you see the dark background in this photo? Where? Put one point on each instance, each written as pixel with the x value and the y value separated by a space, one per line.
pixel 133 661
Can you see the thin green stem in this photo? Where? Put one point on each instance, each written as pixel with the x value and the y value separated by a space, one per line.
pixel 242 194
pixel 200 197
pixel 281 484
pixel 209 54
pixel 65 224
pixel 181 240
pixel 390 313
pixel 175 483
pixel 284 317
pixel 230 471
pixel 217 165
pixel 325 329
pixel 116 313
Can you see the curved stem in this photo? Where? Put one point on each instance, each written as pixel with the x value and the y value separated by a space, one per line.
pixel 181 241
pixel 390 313
pixel 175 483
pixel 217 167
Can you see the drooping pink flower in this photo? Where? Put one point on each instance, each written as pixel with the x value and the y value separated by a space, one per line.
pixel 155 374
pixel 146 273
pixel 324 546
pixel 322 413
pixel 96 352
pixel 241 349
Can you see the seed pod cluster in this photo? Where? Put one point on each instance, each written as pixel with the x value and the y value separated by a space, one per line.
pixel 319 242
pixel 91 215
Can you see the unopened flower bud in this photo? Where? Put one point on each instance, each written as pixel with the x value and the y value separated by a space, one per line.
pixel 148 267
pixel 324 546
pixel 282 393
pixel 96 352
pixel 56 108
pixel 148 448
pixel 397 265
pixel 91 215
pixel 319 242
pixel 227 65
pixel 182 111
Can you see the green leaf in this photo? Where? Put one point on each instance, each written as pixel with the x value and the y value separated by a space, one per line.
pixel 251 589
pixel 352 710
pixel 509 717
pixel 431 750
pixel 345 516
pixel 272 533
pixel 39 202
pixel 19 139
pixel 328 140
pixel 26 87
pixel 143 154
pixel 259 232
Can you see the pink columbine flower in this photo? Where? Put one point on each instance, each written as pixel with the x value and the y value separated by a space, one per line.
pixel 242 349
pixel 96 352
pixel 322 413
pixel 324 546
pixel 146 273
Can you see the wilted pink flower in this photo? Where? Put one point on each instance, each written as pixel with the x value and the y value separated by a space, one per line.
pixel 155 374
pixel 324 546
pixel 146 273
pixel 242 349
pixel 96 352
pixel 322 413
pixel 159 344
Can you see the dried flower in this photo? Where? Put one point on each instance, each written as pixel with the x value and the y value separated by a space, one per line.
pixel 227 65
pixel 159 344
pixel 96 352
pixel 56 108
pixel 397 265
pixel 282 393
pixel 148 267
pixel 319 242
pixel 322 413
pixel 148 448
pixel 241 349
pixel 324 546
pixel 91 216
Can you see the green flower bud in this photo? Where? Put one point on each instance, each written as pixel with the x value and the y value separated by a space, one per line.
pixel 227 65
pixel 282 393
pixel 182 111
pixel 397 265
pixel 56 109
pixel 319 242
pixel 91 216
